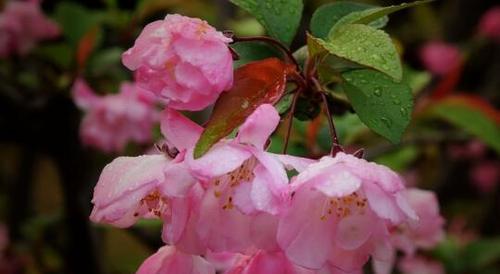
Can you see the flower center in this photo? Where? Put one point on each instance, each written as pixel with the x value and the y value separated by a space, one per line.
pixel 342 207
pixel 154 203
pixel 225 184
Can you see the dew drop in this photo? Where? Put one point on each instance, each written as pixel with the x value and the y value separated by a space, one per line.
pixel 386 121
pixel 377 92
pixel 245 104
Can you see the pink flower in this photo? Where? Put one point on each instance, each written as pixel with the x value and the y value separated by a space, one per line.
pixel 22 25
pixel 489 25
pixel 341 213
pixel 169 260
pixel 420 265
pixel 112 121
pixel 439 57
pixel 243 180
pixel 154 186
pixel 183 60
pixel 428 231
pixel 485 175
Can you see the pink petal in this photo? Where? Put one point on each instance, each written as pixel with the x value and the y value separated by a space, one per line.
pixel 219 160
pixel 169 260
pixel 339 183
pixel 293 162
pixel 265 195
pixel 179 130
pixel 353 231
pixel 263 231
pixel 305 238
pixel 179 181
pixel 259 126
pixel 223 229
pixel 83 95
pixel 383 204
pixel 121 186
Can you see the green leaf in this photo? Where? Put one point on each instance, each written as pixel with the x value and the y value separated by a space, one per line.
pixel 280 18
pixel 383 105
pixel 399 160
pixel 58 53
pixel 369 16
pixel 416 79
pixel 326 16
pixel 257 83
pixel 482 253
pixel 366 46
pixel 76 20
pixel 471 115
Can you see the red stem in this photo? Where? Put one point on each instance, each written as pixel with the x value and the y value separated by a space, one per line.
pixel 271 41
pixel 290 119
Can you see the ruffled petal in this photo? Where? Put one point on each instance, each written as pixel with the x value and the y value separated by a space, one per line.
pixel 259 126
pixel 221 159
pixel 179 130
pixel 84 96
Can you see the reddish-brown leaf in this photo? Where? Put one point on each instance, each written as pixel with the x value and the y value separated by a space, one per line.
pixel 85 47
pixel 255 84
pixel 477 103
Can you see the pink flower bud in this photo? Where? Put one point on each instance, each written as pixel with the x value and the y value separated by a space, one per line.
pixel 489 25
pixel 439 57
pixel 183 60
pixel 485 175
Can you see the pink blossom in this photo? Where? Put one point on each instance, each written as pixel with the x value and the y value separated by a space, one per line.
pixel 170 260
pixel 340 213
pixel 440 57
pixel 153 186
pixel 428 231
pixel 420 265
pixel 22 25
pixel 243 180
pixel 183 60
pixel 485 175
pixel 112 121
pixel 489 25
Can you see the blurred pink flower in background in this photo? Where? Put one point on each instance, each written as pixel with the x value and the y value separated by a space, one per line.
pixel 440 57
pixel 183 60
pixel 485 175
pixel 420 265
pixel 425 233
pixel 489 25
pixel 22 25
pixel 111 121
pixel 474 149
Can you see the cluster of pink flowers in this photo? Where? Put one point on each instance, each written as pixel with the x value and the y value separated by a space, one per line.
pixel 236 209
pixel 22 25
pixel 112 121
